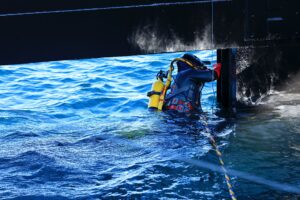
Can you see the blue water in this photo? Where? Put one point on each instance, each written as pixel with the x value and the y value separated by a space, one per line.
pixel 80 129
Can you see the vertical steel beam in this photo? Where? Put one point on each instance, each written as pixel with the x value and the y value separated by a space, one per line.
pixel 226 85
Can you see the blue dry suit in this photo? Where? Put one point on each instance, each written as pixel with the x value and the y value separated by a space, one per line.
pixel 186 89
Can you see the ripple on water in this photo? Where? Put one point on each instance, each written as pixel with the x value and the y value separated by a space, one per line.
pixel 94 90
pixel 104 102
pixel 100 79
pixel 68 80
pixel 130 105
pixel 143 87
pixel 6 72
pixel 20 135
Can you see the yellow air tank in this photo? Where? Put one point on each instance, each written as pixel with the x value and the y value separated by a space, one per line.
pixel 157 88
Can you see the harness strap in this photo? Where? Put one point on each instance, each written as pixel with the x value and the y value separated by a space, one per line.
pixel 149 94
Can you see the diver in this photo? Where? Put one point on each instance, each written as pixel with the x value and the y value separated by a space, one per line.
pixel 185 94
pixel 186 89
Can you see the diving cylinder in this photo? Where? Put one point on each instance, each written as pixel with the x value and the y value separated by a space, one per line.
pixel 157 88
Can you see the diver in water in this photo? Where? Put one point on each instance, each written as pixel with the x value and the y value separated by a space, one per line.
pixel 185 93
pixel 186 89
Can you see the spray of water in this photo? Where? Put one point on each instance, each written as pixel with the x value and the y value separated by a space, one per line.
pixel 149 40
pixel 257 74
pixel 244 58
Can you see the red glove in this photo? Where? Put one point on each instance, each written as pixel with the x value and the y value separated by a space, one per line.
pixel 217 69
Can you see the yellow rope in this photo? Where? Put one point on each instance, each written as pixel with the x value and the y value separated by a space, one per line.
pixel 219 154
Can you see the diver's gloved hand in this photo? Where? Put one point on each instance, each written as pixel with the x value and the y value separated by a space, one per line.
pixel 217 69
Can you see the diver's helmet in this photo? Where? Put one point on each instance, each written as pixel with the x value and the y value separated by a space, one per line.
pixel 193 59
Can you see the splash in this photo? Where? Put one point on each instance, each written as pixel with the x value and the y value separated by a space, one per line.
pixel 244 58
pixel 258 73
pixel 149 39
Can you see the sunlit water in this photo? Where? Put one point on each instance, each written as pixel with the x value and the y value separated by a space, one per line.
pixel 81 130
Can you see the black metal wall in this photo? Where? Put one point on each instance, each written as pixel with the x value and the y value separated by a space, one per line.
pixel 31 37
pixel 272 20
pixel 35 30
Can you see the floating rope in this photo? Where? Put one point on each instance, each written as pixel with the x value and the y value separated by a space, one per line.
pixel 219 154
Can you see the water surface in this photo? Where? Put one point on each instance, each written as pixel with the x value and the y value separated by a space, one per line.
pixel 80 129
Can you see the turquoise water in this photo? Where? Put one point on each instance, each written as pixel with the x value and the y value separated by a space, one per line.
pixel 80 129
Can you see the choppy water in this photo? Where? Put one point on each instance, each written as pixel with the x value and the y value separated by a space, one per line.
pixel 81 130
